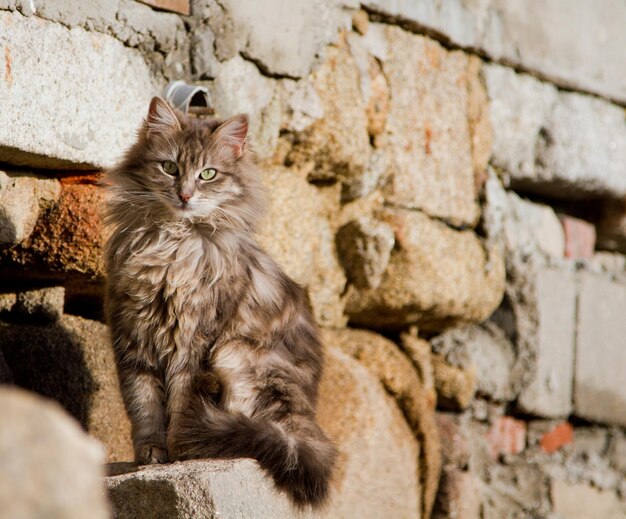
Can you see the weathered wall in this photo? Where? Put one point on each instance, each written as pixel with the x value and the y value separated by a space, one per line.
pixel 449 174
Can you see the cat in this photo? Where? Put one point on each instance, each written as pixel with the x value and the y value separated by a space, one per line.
pixel 216 348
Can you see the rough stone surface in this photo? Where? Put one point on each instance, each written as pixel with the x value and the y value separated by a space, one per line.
pixel 385 361
pixel 121 83
pixel 560 40
pixel 19 208
pixel 66 241
pixel 599 392
pixel 48 466
pixel 436 276
pixel 429 136
pixel 45 304
pixel 487 351
pixel 547 325
pixel 455 386
pixel 556 144
pixel 579 501
pixel 239 87
pixel 297 234
pixel 377 474
pixel 338 143
pixel 364 248
pixel 283 45
pixel 459 495
pixel 71 361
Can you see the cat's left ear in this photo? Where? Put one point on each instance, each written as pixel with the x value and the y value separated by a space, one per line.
pixel 161 117
pixel 233 133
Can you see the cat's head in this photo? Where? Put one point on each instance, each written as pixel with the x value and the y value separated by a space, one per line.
pixel 183 168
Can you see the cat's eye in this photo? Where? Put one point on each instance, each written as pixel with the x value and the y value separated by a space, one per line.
pixel 170 167
pixel 208 174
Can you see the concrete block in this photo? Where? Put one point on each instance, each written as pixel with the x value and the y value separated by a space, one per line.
pixel 428 133
pixel 48 465
pixel 546 325
pixel 88 114
pixel 436 277
pixel 599 391
pixel 572 43
pixel 538 131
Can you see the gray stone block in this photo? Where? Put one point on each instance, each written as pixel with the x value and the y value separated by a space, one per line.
pixel 71 113
pixel 44 304
pixel 546 324
pixel 553 143
pixel 48 465
pixel 19 208
pixel 572 42
pixel 282 37
pixel 599 390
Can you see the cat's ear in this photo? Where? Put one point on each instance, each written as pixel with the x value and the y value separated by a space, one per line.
pixel 233 133
pixel 161 117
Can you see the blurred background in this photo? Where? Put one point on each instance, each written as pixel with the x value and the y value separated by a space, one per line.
pixel 447 178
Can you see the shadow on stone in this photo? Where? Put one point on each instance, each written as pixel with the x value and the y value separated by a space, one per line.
pixel 140 499
pixel 48 360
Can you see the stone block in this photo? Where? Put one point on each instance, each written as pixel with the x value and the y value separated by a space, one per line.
pixel 487 351
pixel 66 242
pixel 71 361
pixel 298 234
pixel 283 44
pixel 545 314
pixel 364 246
pixel 436 277
pixel 377 472
pixel 563 145
pixel 239 87
pixel 580 501
pixel 64 128
pixel 19 208
pixel 572 43
pixel 337 144
pixel 48 465
pixel 428 133
pixel 45 304
pixel 580 237
pixel 599 392
pixel 385 361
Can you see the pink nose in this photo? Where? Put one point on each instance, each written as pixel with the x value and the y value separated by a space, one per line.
pixel 184 197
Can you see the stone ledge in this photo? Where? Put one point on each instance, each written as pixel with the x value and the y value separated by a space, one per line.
pixel 70 113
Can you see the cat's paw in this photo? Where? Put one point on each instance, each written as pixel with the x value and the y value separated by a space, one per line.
pixel 150 454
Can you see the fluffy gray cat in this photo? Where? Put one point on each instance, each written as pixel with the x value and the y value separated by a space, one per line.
pixel 217 352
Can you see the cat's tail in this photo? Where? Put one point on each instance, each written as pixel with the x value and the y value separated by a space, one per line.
pixel 294 451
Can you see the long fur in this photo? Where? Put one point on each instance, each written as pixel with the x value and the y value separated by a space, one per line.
pixel 217 352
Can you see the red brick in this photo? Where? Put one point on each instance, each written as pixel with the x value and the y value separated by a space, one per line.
pixel 557 437
pixel 580 237
pixel 176 6
pixel 506 436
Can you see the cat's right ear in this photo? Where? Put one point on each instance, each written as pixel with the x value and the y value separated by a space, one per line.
pixel 161 118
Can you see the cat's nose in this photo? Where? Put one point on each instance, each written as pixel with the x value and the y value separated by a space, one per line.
pixel 184 197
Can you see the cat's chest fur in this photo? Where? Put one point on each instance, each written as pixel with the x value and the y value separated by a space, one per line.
pixel 173 281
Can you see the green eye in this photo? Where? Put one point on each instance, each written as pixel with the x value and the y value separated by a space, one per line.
pixel 170 167
pixel 208 174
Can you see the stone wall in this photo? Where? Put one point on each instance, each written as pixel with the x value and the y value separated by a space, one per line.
pixel 448 181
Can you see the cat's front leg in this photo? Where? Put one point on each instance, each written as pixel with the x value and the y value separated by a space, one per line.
pixel 144 397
